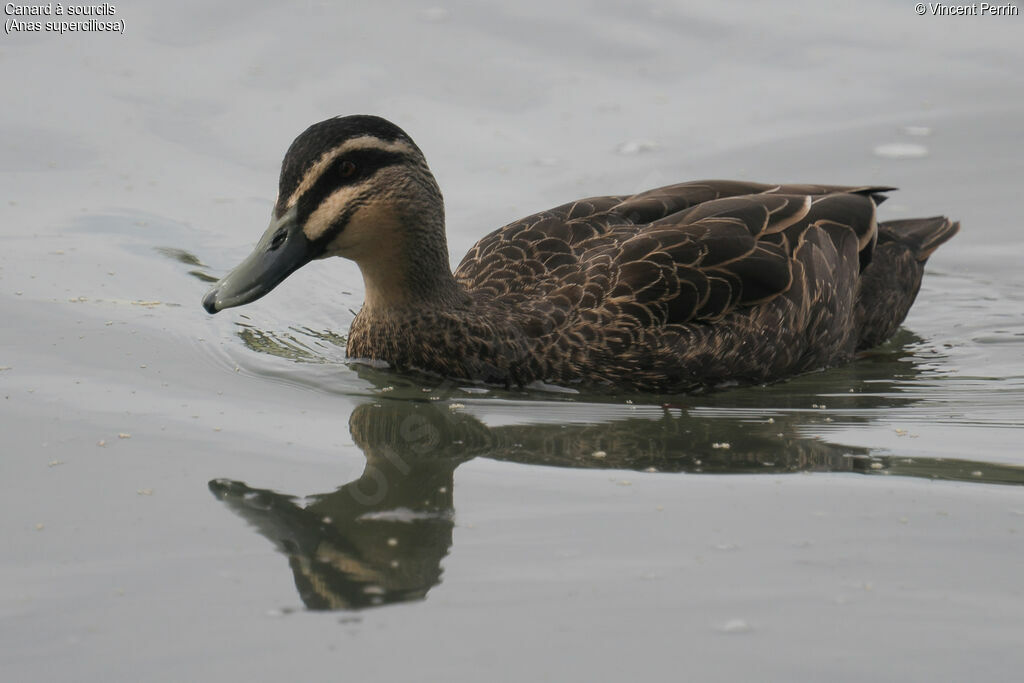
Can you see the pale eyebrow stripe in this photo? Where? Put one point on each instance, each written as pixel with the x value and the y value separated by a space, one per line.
pixel 321 164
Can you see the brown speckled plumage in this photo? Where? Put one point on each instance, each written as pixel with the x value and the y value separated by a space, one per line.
pixel 679 288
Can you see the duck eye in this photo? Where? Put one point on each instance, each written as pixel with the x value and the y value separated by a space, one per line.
pixel 348 169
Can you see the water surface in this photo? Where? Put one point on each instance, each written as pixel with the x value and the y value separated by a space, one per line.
pixel 195 497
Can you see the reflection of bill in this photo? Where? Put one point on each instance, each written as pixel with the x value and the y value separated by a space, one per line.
pixel 378 539
pixel 381 538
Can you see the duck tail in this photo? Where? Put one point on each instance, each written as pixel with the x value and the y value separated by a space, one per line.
pixel 889 284
pixel 921 235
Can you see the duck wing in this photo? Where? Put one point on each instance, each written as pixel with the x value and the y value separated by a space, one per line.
pixel 688 252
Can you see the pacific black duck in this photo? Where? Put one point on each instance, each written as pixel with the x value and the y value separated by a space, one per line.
pixel 679 288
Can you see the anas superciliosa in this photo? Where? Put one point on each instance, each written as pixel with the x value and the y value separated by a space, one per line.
pixel 675 289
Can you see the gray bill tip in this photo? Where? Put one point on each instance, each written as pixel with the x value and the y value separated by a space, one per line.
pixel 210 301
pixel 281 251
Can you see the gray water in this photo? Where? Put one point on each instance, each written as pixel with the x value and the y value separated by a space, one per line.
pixel 187 497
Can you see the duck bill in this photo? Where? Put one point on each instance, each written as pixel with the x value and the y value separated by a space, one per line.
pixel 281 251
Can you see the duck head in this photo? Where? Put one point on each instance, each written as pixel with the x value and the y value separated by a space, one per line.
pixel 352 186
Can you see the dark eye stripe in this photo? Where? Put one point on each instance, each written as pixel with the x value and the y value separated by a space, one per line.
pixel 338 223
pixel 336 175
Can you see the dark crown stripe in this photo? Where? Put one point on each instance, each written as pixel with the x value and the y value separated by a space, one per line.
pixel 330 134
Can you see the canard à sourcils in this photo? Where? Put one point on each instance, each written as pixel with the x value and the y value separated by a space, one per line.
pixel 679 288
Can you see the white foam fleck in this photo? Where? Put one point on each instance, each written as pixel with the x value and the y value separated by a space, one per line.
pixel 435 14
pixel 901 150
pixel 405 515
pixel 736 626
pixel 637 147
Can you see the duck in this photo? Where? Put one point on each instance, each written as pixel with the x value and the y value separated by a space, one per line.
pixel 685 288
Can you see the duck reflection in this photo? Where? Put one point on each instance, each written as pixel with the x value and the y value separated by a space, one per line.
pixel 378 539
pixel 381 538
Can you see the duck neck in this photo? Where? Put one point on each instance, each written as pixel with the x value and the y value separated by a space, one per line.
pixel 411 269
